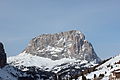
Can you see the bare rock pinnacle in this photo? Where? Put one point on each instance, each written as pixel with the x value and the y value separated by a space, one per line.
pixel 3 58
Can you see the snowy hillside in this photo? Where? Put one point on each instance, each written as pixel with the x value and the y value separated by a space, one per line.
pixel 30 60
pixel 63 67
pixel 10 72
pixel 5 74
pixel 26 62
pixel 46 63
pixel 107 69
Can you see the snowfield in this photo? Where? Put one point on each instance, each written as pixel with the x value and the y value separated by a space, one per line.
pixel 30 60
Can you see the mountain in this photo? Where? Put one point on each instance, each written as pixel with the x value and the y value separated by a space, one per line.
pixel 70 44
pixel 58 56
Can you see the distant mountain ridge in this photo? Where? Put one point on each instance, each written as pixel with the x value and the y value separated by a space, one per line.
pixel 69 44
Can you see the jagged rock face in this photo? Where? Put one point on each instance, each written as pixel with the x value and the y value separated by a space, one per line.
pixel 70 44
pixel 2 56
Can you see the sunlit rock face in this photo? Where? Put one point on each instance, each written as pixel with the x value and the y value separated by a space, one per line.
pixel 70 44
pixel 2 56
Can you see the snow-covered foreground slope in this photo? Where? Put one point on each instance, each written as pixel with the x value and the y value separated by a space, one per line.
pixel 107 68
pixel 10 73
pixel 5 75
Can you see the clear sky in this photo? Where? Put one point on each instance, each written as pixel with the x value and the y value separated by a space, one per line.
pixel 99 20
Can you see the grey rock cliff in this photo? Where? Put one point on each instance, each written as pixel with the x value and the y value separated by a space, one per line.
pixel 70 44
pixel 2 56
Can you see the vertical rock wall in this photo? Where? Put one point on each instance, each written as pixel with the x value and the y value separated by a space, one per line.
pixel 3 58
pixel 70 44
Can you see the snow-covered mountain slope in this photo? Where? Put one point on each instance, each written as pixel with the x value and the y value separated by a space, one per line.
pixel 5 75
pixel 106 69
pixel 26 62
pixel 10 72
pixel 30 60
pixel 70 44
pixel 41 62
pixel 62 68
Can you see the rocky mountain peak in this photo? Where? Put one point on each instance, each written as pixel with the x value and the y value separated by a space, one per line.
pixel 2 56
pixel 70 44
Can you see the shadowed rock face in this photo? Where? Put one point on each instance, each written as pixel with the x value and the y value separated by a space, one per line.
pixel 70 44
pixel 2 56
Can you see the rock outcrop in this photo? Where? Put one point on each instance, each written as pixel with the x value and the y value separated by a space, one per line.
pixel 3 58
pixel 70 44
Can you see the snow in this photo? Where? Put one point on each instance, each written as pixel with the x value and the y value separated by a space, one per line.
pixel 51 49
pixel 117 71
pixel 91 75
pixel 5 73
pixel 47 64
pixel 105 68
pixel 30 60
pixel 105 78
pixel 55 55
pixel 111 61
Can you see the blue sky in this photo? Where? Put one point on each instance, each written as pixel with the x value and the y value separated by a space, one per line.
pixel 99 20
